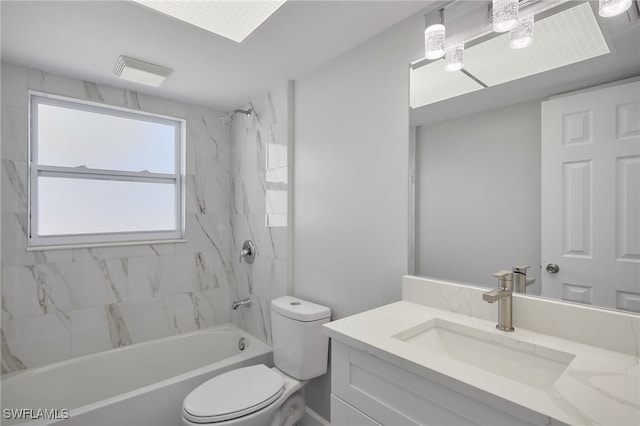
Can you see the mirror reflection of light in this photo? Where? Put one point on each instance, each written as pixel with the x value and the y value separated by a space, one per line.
pixel 522 35
pixel 608 8
pixel 570 36
pixel 454 58
pixel 434 41
pixel 505 15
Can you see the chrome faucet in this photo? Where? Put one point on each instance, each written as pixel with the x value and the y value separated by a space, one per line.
pixel 244 303
pixel 503 295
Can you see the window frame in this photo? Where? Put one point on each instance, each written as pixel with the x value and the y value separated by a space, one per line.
pixel 35 170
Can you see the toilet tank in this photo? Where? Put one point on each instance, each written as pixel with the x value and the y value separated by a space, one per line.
pixel 299 347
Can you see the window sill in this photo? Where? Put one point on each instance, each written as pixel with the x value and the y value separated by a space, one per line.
pixel 98 245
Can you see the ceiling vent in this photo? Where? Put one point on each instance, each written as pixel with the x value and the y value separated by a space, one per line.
pixel 140 71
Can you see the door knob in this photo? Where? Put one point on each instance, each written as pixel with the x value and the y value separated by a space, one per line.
pixel 552 268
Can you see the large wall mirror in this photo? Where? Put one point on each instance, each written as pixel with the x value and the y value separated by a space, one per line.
pixel 509 166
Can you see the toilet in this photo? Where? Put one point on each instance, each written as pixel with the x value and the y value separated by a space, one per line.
pixel 259 395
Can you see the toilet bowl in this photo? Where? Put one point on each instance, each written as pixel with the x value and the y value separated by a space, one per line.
pixel 261 396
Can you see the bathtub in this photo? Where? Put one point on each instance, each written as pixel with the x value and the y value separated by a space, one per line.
pixel 136 385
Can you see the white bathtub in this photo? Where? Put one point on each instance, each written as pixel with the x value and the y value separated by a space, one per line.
pixel 141 384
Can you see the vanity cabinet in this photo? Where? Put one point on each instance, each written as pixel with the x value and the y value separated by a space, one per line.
pixel 366 390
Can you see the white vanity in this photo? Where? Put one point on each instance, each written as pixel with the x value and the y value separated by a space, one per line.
pixel 436 358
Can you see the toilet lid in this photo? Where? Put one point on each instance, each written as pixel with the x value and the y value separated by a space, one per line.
pixel 233 394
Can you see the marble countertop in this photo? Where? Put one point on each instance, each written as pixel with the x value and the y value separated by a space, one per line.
pixel 598 386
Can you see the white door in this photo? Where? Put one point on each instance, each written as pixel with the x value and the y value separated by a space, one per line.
pixel 591 196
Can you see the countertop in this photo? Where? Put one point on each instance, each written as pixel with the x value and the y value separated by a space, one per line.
pixel 598 386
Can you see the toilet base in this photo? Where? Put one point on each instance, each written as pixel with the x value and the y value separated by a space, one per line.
pixel 291 412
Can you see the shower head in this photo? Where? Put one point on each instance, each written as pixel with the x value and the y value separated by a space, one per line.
pixel 246 112
pixel 228 119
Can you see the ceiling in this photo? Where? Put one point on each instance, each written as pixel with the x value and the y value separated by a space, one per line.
pixel 83 39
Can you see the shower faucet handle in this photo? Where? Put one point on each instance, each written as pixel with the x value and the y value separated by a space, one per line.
pixel 248 252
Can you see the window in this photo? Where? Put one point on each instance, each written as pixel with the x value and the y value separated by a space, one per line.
pixel 103 175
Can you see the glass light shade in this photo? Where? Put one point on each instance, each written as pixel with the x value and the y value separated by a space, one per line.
pixel 454 58
pixel 505 15
pixel 613 7
pixel 522 35
pixel 434 41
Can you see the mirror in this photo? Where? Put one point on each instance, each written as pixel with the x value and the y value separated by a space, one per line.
pixel 479 169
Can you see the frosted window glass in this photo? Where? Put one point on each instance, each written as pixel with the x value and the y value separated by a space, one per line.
pixel 71 138
pixel 70 206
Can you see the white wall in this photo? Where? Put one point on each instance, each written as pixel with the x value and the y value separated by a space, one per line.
pixel 478 196
pixel 351 165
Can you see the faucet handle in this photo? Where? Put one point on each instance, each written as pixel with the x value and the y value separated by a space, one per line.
pixel 504 279
pixel 502 275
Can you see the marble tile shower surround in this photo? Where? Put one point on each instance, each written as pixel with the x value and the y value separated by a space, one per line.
pixel 607 329
pixel 58 304
pixel 266 278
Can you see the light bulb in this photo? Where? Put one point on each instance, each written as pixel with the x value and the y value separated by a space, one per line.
pixel 522 35
pixel 610 8
pixel 434 41
pixel 505 15
pixel 454 57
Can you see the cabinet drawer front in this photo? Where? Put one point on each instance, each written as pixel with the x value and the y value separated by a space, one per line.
pixel 344 414
pixel 394 396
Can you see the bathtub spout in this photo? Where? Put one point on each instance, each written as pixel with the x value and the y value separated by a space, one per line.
pixel 244 303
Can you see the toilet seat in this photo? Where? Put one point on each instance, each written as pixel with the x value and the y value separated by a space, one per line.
pixel 233 394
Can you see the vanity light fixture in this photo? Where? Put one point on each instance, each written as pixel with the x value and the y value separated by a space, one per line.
pixel 505 15
pixel 608 8
pixel 141 72
pixel 434 35
pixel 454 58
pixel 522 35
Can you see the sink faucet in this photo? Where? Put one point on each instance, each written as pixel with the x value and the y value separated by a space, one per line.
pixel 244 303
pixel 503 295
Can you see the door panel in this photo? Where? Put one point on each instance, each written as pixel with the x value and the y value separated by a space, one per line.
pixel 591 196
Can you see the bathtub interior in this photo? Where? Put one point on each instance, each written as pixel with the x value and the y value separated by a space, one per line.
pixel 92 382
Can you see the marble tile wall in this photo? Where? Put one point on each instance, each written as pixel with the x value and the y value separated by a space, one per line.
pixel 259 161
pixel 58 304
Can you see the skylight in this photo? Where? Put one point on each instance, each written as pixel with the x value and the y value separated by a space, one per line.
pixel 234 20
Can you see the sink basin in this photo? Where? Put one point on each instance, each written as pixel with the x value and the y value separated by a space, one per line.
pixel 524 362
